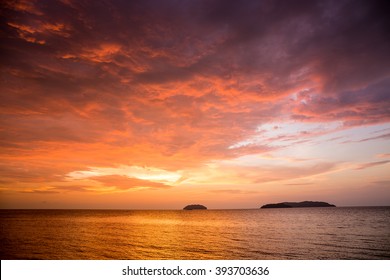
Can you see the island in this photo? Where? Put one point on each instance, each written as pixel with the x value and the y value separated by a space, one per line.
pixel 195 207
pixel 298 204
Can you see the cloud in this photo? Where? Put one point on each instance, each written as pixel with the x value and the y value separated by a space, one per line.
pixel 371 164
pixel 126 183
pixel 257 173
pixel 24 6
pixel 49 191
pixel 373 136
pixel 362 106
pixel 299 184
pixel 383 155
pixel 379 137
pixel 57 189
pixel 381 183
pixel 234 191
pixel 137 172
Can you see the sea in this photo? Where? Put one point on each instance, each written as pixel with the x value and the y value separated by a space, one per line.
pixel 257 234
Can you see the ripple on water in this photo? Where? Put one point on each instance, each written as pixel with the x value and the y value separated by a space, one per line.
pixel 325 233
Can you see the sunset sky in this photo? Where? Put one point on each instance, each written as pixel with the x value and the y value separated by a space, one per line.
pixel 160 104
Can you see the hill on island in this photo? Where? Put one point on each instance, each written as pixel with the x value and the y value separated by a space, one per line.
pixel 195 207
pixel 298 204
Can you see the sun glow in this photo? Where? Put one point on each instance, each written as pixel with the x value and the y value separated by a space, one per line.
pixel 138 172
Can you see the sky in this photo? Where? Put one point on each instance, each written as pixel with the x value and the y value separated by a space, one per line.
pixel 160 104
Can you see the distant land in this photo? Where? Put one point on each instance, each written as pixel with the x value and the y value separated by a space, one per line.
pixel 298 204
pixel 195 207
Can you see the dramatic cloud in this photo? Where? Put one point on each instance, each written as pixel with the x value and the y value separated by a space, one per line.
pixel 173 87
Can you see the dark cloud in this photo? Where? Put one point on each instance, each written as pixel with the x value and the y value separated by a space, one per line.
pixel 363 106
pixel 172 41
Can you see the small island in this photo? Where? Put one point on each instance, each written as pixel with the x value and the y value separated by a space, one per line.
pixel 298 204
pixel 195 207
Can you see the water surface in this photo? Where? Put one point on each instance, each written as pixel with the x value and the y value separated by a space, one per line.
pixel 299 233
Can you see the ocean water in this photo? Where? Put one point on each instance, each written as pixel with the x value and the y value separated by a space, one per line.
pixel 299 233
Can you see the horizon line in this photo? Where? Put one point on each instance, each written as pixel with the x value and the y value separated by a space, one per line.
pixel 177 209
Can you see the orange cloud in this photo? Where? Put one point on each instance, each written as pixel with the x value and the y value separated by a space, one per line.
pixel 25 6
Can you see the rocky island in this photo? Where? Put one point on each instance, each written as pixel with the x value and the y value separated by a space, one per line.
pixel 195 207
pixel 298 204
